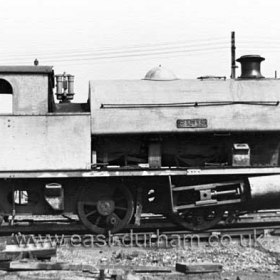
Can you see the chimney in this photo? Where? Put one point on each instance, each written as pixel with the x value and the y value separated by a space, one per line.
pixel 250 66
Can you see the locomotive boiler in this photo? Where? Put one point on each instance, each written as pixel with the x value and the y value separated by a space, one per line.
pixel 195 151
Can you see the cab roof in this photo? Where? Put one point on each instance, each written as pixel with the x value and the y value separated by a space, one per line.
pixel 26 69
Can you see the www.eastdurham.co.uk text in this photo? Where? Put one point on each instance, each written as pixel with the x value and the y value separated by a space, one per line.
pixel 132 239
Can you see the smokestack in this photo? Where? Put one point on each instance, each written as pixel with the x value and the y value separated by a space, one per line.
pixel 250 66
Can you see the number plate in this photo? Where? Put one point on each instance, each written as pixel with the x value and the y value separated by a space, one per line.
pixel 192 123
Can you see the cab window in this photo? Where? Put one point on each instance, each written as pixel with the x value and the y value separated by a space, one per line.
pixel 6 97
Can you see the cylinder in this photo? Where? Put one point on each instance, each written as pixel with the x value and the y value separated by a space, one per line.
pixel 264 192
pixel 59 79
pixel 70 84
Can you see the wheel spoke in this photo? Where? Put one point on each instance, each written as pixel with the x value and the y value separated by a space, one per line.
pixel 97 220
pixel 117 216
pixel 121 208
pixel 119 199
pixel 91 213
pixel 89 203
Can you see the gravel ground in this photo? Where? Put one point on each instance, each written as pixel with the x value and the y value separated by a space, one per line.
pixel 261 260
pixel 233 258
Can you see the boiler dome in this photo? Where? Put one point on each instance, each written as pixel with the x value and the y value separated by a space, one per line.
pixel 160 74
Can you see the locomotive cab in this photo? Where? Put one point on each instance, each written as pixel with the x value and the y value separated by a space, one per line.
pixel 35 135
pixel 30 88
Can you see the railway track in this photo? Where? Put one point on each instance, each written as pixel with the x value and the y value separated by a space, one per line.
pixel 246 236
pixel 254 223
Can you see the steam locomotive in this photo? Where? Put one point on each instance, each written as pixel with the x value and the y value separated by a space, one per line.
pixel 195 151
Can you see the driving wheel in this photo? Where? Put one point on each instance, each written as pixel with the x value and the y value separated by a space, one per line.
pixel 106 208
pixel 198 219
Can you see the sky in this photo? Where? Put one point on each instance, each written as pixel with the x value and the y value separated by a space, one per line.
pixel 123 39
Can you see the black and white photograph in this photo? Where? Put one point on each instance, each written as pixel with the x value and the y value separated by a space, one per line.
pixel 140 140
